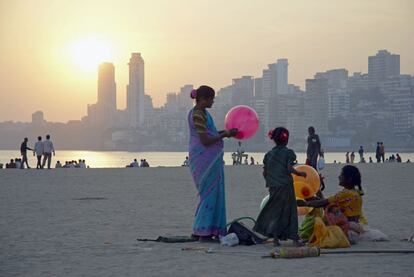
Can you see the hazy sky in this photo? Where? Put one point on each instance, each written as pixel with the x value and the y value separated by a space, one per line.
pixel 182 41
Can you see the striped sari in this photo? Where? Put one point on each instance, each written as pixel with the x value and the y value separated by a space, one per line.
pixel 207 169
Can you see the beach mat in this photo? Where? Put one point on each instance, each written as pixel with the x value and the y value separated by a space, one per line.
pixel 171 239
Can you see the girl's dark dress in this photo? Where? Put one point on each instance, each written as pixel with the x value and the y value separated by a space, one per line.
pixel 279 216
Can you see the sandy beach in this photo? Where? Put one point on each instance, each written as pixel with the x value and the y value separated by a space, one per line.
pixel 74 222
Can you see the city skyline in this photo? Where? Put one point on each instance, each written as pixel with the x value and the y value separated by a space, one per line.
pixel 182 45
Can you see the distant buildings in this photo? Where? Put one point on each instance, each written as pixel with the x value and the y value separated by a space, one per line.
pixel 136 91
pixel 347 110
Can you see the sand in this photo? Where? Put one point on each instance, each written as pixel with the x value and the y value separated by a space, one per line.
pixel 74 222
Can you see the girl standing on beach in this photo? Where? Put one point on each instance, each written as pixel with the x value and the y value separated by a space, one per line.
pixel 207 166
pixel 279 218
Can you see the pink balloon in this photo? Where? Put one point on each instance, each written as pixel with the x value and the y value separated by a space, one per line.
pixel 243 118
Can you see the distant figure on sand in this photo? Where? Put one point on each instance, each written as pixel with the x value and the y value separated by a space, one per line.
pixel 23 152
pixel 361 154
pixel 38 151
pixel 378 153
pixel 398 158
pixel 207 167
pixel 251 161
pixel 352 157
pixel 382 151
pixel 314 148
pixel 186 162
pixel 370 160
pixel 11 164
pixel 278 218
pixel 58 164
pixel 48 149
pixel 347 157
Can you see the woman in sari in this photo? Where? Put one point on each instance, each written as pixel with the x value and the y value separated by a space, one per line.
pixel 207 166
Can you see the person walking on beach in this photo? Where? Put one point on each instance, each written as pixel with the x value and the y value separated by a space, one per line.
pixel 23 152
pixel 382 151
pixel 347 157
pixel 279 218
pixel 361 154
pixel 314 147
pixel 207 166
pixel 38 151
pixel 48 149
pixel 352 157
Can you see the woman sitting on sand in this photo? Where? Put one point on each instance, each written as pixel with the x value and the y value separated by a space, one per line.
pixel 207 166
pixel 344 209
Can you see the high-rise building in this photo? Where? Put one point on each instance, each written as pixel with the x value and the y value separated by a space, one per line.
pixel 243 90
pixel 38 118
pixel 316 104
pixel 136 91
pixel 107 92
pixel 102 114
pixel 282 76
pixel 184 100
pixel 381 66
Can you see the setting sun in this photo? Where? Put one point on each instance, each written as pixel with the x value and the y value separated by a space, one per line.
pixel 89 52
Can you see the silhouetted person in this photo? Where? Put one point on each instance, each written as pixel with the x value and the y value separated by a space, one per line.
pixel 347 157
pixel 314 147
pixel 361 154
pixel 370 160
pixel 23 151
pixel 398 158
pixel 48 149
pixel 38 151
pixel 58 164
pixel 352 157
pixel 382 151
pixel 378 153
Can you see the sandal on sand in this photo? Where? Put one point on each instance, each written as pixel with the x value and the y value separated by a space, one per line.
pixel 298 243
pixel 208 239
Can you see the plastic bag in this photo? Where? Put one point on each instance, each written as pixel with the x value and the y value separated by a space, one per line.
pixel 321 163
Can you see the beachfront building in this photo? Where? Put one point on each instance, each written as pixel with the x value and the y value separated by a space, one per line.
pixel 136 91
pixel 381 66
pixel 316 104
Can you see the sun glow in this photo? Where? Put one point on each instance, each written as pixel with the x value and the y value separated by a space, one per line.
pixel 89 52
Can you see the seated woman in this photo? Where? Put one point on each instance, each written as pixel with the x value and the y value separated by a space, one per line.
pixel 348 200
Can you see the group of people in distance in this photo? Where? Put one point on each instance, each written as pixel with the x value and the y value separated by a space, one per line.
pixel 279 218
pixel 72 164
pixel 143 163
pixel 379 155
pixel 41 149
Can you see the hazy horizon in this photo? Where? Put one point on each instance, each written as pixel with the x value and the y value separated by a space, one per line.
pixel 196 42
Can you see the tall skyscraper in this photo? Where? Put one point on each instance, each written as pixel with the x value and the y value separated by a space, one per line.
pixel 107 90
pixel 381 66
pixel 102 114
pixel 136 91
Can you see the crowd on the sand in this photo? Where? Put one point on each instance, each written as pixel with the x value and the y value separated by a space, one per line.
pixel 379 156
pixel 334 221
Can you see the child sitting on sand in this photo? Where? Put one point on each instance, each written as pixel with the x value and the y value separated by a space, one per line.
pixel 279 218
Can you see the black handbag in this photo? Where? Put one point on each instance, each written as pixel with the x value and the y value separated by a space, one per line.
pixel 246 235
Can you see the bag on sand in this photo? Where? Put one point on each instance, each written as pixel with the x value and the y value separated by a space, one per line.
pixel 246 235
